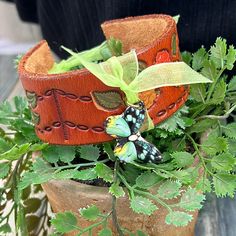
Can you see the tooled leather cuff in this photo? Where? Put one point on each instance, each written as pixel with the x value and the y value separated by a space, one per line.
pixel 63 109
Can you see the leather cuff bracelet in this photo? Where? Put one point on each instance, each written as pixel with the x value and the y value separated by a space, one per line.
pixel 62 106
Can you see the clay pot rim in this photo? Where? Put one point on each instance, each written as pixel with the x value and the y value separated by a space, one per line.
pixel 83 72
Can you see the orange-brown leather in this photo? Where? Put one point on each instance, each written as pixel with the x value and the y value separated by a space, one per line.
pixel 62 103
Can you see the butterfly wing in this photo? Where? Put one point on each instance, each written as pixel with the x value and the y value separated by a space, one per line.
pixel 126 151
pixel 134 116
pixel 117 127
pixel 147 152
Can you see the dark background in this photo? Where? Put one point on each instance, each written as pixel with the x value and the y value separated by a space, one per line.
pixel 76 23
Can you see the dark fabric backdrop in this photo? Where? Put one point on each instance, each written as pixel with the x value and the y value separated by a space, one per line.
pixel 76 23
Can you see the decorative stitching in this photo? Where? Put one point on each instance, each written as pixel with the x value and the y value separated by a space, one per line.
pixel 172 105
pixel 59 112
pixel 97 129
pixel 82 98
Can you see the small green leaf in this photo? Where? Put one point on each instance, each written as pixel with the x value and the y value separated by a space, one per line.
pixel 107 100
pixel 89 152
pixel 20 104
pixel 109 151
pixel 214 145
pixel 38 147
pixel 5 228
pixel 66 153
pixel 50 154
pixel 5 145
pixel 86 174
pixel 218 52
pixel 224 184
pixel 178 218
pixel 182 159
pixel 191 200
pixel 199 58
pixel 198 92
pixel 230 130
pixel 65 222
pixel 224 161
pixel 34 178
pixel 142 205
pixel 90 213
pixel 232 84
pixel 204 185
pixel 65 174
pixel 202 125
pixel 230 58
pixel 183 176
pixel 147 180
pixel 116 190
pixel 104 172
pixel 186 57
pixel 15 152
pixel 41 173
pixel 105 232
pixel 4 169
pixel 169 189
pixel 219 93
pixel 232 146
pixel 41 166
pixel 209 70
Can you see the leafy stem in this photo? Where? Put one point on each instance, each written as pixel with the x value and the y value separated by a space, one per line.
pixel 140 192
pixel 89 228
pixel 213 85
pixel 199 154
pixel 114 213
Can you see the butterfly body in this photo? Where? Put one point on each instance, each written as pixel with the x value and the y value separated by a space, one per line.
pixel 131 145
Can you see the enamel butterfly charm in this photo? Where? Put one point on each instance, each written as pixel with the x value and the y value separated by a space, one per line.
pixel 130 144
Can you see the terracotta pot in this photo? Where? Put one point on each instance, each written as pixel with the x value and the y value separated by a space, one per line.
pixel 68 195
pixel 63 109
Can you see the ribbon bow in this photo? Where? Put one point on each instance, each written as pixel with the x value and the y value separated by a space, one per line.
pixel 122 72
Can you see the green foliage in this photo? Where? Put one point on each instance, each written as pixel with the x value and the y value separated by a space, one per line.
pixel 142 205
pixel 90 213
pixel 54 153
pixel 175 124
pixel 191 200
pixel 197 131
pixel 116 190
pixel 178 218
pixel 64 222
pixel 105 232
pixel 214 145
pixel 230 130
pixel 89 152
pixel 182 159
pixel 224 184
pixel 224 161
pixel 169 189
pixel 4 169
pixel 204 185
pixel 199 58
pixel 104 172
pixel 86 174
pixel 219 93
pixel 198 92
pixel 202 125
pixel 147 179
pixel 15 152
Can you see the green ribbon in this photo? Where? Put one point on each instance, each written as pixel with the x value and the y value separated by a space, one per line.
pixel 122 72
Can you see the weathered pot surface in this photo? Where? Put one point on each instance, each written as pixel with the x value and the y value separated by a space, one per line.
pixel 68 195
